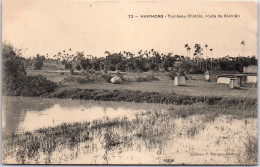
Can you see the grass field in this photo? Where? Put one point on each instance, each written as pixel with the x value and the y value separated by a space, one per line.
pixel 196 86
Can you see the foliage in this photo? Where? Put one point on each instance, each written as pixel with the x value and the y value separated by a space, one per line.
pixel 14 73
pixel 72 71
pixel 147 78
pixel 38 64
pixel 147 60
pixel 107 77
pixel 37 86
pixel 77 80
pixel 236 63
pixel 15 81
pixel 198 50
pixel 195 70
pixel 172 74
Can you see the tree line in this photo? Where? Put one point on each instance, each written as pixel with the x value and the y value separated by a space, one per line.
pixel 144 60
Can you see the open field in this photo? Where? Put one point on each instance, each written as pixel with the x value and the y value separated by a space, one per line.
pixel 196 86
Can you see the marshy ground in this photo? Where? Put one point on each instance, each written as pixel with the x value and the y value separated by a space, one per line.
pixel 171 134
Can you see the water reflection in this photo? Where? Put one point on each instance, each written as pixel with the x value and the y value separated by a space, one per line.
pixel 14 110
pixel 26 114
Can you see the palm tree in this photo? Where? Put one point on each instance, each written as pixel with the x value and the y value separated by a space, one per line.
pixel 78 60
pixel 198 53
pixel 187 46
pixel 188 49
pixel 206 46
pixel 107 52
pixel 211 58
pixel 243 45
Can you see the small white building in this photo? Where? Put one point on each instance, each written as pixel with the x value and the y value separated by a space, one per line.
pixel 179 81
pixel 234 83
pixel 223 80
pixel 252 69
pixel 251 73
pixel 251 79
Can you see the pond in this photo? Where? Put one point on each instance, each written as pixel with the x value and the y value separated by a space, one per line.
pixel 20 114
pixel 121 133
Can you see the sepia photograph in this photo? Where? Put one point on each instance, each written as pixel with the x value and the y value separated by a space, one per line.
pixel 129 82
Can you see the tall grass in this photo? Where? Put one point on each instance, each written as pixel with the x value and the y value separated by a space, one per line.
pixel 151 129
pixel 249 149
pixel 148 97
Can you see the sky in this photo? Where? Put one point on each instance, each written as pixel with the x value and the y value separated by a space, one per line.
pixel 48 26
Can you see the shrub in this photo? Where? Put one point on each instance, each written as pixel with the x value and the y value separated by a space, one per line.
pixel 39 62
pixel 72 71
pixel 15 81
pixel 147 78
pixel 68 65
pixel 77 80
pixel 196 71
pixel 38 65
pixel 37 86
pixel 172 74
pixel 14 73
pixel 152 78
pixel 107 77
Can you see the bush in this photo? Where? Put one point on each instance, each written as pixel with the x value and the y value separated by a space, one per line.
pixel 38 65
pixel 196 71
pixel 14 73
pixel 147 78
pixel 72 71
pixel 39 62
pixel 37 86
pixel 33 86
pixel 15 81
pixel 152 78
pixel 172 74
pixel 77 80
pixel 68 65
pixel 107 77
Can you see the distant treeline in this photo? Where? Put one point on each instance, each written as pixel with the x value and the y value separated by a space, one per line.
pixel 147 60
pixel 144 61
